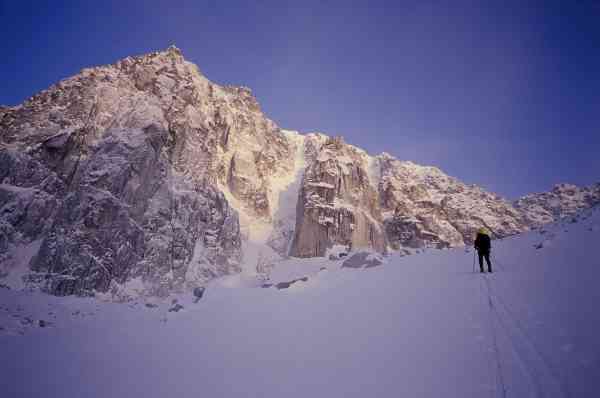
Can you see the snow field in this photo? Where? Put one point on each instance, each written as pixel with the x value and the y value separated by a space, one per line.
pixel 419 326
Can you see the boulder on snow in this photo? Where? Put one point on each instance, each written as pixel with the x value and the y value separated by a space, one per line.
pixel 285 285
pixel 176 308
pixel 363 260
pixel 337 256
pixel 198 293
pixel 42 323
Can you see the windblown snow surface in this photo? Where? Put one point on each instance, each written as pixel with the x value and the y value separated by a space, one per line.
pixel 422 325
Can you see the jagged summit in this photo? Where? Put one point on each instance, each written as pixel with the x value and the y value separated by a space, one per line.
pixel 144 175
pixel 174 48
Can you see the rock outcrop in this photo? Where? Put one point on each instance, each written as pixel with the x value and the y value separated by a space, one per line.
pixel 563 200
pixel 337 204
pixel 423 207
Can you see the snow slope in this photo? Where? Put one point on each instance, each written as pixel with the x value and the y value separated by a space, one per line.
pixel 417 326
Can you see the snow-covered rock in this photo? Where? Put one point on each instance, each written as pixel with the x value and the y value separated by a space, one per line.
pixel 363 260
pixel 423 207
pixel 562 201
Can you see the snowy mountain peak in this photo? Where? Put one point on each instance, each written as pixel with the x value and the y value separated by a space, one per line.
pixel 145 176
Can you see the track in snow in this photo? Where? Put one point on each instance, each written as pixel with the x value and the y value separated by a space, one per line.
pixel 543 379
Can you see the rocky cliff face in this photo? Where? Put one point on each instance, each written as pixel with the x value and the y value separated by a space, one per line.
pixel 119 173
pixel 338 204
pixel 562 201
pixel 424 207
pixel 143 176
pixel 122 214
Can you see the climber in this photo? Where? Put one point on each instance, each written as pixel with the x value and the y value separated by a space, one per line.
pixel 483 245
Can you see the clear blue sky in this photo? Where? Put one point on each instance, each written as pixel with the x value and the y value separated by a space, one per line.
pixel 503 94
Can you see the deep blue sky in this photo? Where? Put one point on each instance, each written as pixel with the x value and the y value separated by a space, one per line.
pixel 504 94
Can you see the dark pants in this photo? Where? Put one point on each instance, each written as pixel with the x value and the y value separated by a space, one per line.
pixel 486 255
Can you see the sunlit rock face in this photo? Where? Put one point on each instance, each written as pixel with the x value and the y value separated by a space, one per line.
pixel 114 174
pixel 338 205
pixel 144 177
pixel 423 207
